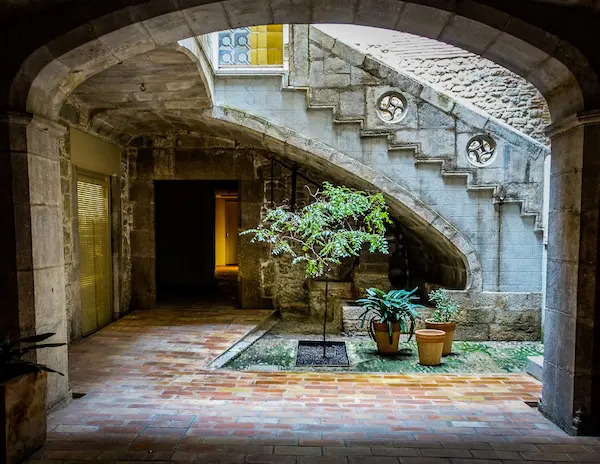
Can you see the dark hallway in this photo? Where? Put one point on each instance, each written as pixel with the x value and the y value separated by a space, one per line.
pixel 186 272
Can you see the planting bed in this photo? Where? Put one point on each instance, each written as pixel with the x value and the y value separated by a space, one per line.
pixel 278 353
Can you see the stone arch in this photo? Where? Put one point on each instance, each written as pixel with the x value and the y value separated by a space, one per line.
pixel 555 67
pixel 562 74
pixel 415 214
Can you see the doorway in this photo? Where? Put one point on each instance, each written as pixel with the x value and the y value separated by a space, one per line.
pixel 189 245
pixel 226 239
pixel 226 228
pixel 93 216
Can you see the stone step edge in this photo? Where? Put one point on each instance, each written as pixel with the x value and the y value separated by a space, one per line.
pixel 246 341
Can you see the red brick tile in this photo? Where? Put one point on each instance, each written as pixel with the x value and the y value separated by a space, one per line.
pixel 148 388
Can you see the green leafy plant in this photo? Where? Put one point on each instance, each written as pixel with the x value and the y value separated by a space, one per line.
pixel 336 225
pixel 12 363
pixel 395 306
pixel 446 307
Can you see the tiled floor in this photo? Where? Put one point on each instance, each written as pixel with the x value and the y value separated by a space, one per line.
pixel 150 396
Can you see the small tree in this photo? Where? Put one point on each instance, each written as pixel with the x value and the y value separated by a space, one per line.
pixel 334 226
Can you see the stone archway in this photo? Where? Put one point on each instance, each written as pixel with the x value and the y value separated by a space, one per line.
pixel 560 72
pixel 422 219
pixel 435 232
pixel 53 71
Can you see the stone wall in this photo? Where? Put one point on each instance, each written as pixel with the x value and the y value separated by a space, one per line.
pixel 486 85
pixel 178 156
pixel 498 316
pixel 464 75
pixel 126 226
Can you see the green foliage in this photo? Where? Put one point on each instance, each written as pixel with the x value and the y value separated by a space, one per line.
pixel 445 306
pixel 472 347
pixel 336 225
pixel 395 306
pixel 12 363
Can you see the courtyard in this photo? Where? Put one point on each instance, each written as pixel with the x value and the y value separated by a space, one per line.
pixel 195 193
pixel 145 393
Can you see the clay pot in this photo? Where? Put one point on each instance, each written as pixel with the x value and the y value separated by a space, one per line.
pixel 382 337
pixel 449 328
pixel 23 426
pixel 430 343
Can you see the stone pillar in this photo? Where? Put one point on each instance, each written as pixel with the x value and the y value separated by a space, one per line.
pixel 143 256
pixel 571 390
pixel 32 281
pixel 16 278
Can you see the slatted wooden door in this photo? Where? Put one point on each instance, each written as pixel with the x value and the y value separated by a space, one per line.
pixel 93 213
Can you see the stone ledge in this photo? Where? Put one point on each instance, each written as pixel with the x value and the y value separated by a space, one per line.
pixel 535 366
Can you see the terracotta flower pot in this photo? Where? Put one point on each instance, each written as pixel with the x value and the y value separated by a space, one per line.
pixel 23 427
pixel 382 337
pixel 430 343
pixel 449 328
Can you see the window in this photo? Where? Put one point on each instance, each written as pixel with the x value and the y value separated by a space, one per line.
pixel 251 46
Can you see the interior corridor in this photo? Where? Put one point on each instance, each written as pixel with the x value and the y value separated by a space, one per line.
pixel 150 395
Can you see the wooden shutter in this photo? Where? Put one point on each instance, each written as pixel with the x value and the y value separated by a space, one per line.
pixel 93 214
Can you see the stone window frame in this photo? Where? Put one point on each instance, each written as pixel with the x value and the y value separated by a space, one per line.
pixel 212 40
pixel 380 111
pixel 493 146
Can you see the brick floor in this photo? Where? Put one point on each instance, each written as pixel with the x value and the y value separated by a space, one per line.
pixel 151 397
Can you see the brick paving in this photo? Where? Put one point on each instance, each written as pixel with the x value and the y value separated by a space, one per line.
pixel 149 396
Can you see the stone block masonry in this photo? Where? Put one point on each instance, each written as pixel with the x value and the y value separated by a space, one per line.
pixel 469 77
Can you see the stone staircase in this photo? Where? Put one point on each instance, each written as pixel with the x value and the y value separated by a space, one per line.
pixel 472 120
pixel 334 104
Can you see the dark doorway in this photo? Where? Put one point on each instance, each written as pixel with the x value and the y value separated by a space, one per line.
pixel 185 245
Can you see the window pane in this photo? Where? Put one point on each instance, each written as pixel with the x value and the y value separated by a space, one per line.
pixel 251 46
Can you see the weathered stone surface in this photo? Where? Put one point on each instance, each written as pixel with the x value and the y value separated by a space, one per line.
pixel 474 332
pixel 337 292
pixel 351 323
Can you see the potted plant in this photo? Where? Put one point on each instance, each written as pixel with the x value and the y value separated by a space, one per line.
pixel 392 313
pixel 442 317
pixel 23 398
pixel 336 225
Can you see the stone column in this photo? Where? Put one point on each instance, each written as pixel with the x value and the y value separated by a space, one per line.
pixel 249 255
pixel 571 390
pixel 32 281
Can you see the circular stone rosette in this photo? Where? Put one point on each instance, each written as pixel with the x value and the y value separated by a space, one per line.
pixel 391 107
pixel 481 150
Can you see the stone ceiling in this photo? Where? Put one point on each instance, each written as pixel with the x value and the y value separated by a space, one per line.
pixel 138 89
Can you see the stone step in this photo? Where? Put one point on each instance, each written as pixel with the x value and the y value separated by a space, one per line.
pixel 535 366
